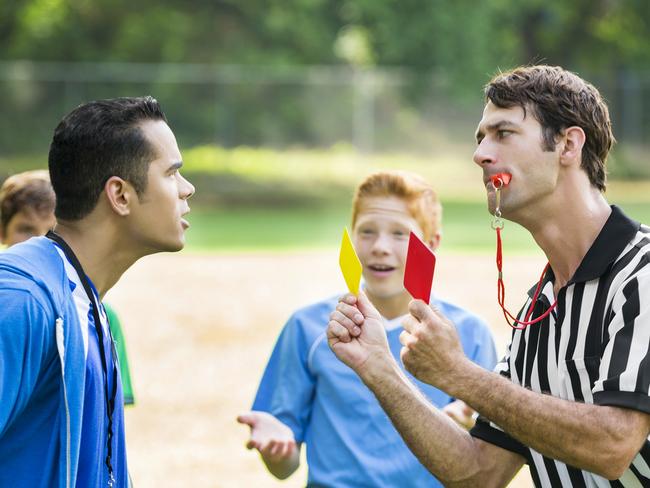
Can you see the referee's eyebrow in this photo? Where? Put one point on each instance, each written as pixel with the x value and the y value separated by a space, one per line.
pixel 499 125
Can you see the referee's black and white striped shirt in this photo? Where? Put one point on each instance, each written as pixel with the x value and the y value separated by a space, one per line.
pixel 593 348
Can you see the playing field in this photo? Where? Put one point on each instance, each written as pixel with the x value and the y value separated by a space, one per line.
pixel 200 329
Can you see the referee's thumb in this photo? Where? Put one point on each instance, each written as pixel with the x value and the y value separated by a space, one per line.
pixel 366 307
pixel 420 310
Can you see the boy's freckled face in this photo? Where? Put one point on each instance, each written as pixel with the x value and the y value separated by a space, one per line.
pixel 27 223
pixel 381 235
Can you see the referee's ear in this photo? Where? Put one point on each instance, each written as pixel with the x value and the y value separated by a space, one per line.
pixel 572 142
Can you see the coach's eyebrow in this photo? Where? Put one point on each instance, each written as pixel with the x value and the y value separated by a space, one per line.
pixel 175 166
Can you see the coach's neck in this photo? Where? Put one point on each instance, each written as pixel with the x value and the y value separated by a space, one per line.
pixel 100 248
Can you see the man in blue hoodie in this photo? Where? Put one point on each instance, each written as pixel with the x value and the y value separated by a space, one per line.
pixel 114 166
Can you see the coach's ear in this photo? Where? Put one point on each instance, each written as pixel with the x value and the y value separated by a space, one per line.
pixel 119 194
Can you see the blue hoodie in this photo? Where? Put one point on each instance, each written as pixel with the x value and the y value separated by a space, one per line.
pixel 42 369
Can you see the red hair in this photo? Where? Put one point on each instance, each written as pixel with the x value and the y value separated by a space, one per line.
pixel 420 198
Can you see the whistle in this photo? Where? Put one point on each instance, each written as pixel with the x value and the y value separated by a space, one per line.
pixel 500 180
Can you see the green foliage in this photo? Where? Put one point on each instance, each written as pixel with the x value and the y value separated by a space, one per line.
pixel 630 163
pixel 466 39
pixel 448 47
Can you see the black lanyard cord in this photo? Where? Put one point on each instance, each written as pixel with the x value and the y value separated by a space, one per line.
pixel 110 399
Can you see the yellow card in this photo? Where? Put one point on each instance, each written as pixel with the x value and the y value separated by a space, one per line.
pixel 350 264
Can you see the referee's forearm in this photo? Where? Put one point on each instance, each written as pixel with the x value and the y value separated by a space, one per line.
pixel 600 439
pixel 444 448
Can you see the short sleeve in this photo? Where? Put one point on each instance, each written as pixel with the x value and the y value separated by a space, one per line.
pixel 488 432
pixel 624 371
pixel 287 387
pixel 26 346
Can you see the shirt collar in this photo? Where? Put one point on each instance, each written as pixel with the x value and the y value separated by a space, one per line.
pixel 393 323
pixel 617 232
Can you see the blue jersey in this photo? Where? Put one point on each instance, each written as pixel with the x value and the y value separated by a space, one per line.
pixel 92 469
pixel 349 439
pixel 52 411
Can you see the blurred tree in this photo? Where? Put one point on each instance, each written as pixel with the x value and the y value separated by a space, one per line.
pixel 462 41
pixel 463 37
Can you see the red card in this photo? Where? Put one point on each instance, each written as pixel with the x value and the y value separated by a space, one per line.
pixel 420 264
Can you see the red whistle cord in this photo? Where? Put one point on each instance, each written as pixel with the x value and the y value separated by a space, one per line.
pixel 501 294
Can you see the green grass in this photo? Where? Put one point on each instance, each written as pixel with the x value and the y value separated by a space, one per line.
pixel 466 229
pixel 259 228
pixel 257 199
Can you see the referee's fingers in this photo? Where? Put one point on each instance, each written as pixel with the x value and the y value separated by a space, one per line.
pixel 420 310
pixel 406 339
pixel 336 331
pixel 409 323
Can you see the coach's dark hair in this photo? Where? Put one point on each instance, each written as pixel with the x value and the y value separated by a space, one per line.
pixel 559 99
pixel 94 142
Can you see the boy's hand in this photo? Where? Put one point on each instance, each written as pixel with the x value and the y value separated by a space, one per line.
pixel 461 413
pixel 273 439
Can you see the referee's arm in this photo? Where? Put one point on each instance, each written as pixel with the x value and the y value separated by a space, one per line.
pixel 597 438
pixel 442 446
pixel 600 439
pixel 447 450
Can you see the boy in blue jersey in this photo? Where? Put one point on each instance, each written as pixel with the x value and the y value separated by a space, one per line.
pixel 114 166
pixel 307 396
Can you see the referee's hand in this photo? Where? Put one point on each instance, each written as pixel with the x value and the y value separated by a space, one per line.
pixel 431 348
pixel 357 336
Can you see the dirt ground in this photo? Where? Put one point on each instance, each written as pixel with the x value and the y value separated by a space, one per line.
pixel 200 329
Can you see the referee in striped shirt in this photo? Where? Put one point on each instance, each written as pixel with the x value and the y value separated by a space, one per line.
pixel 571 397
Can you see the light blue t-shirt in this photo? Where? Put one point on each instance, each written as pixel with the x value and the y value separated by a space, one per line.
pixel 349 439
